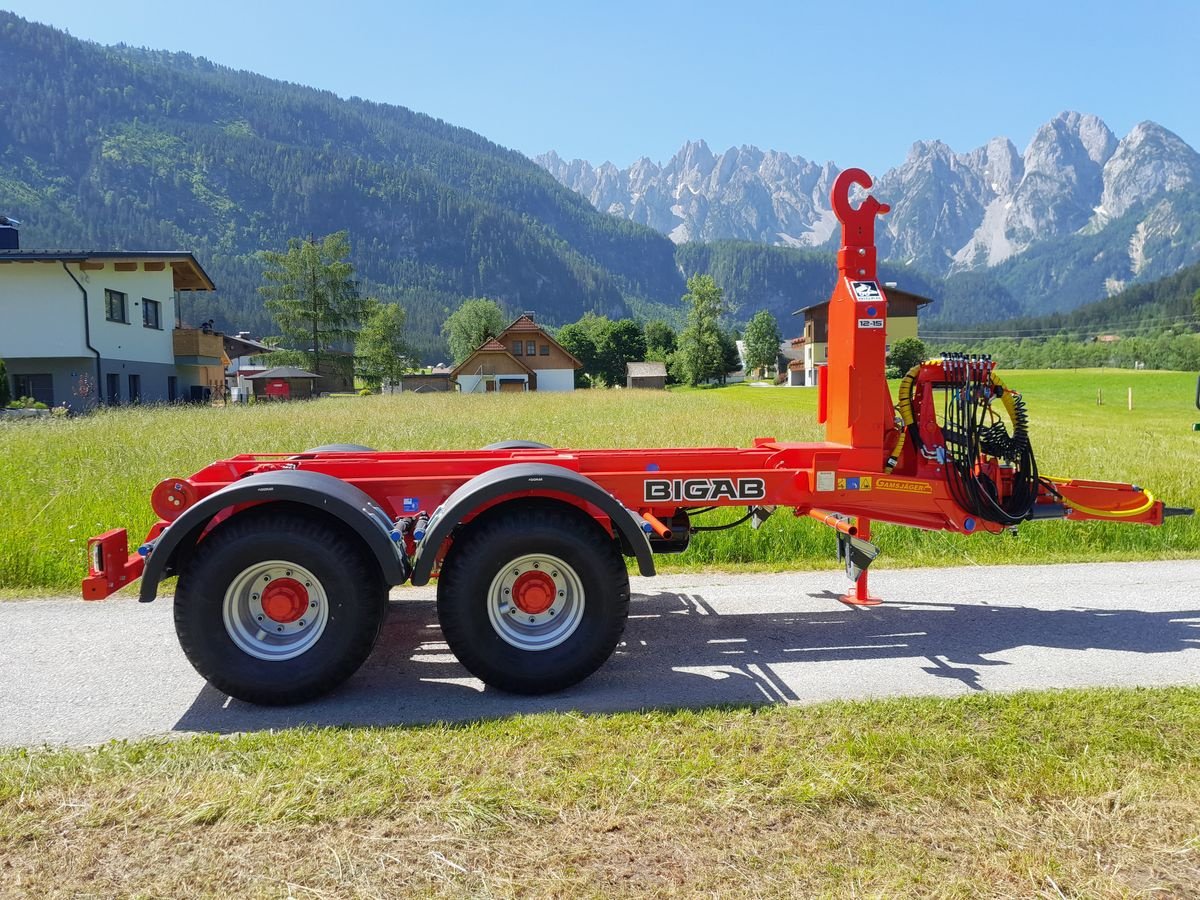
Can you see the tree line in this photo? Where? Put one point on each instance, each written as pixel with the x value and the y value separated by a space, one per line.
pixel 320 313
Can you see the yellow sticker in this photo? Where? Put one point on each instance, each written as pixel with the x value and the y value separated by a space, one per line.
pixel 906 487
pixel 865 483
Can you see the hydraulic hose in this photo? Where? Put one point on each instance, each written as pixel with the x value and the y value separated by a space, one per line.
pixel 1100 513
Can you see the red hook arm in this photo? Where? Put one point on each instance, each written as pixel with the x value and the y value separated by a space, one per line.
pixel 858 225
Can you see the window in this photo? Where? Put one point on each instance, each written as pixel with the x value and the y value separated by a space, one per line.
pixel 151 314
pixel 544 350
pixel 531 348
pixel 517 345
pixel 39 387
pixel 135 388
pixel 112 388
pixel 114 307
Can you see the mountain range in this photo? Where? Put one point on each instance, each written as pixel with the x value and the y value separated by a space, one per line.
pixel 1076 189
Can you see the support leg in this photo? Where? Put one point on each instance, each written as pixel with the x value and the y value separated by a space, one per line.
pixel 861 595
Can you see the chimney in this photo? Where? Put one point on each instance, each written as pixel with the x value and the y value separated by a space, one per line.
pixel 9 238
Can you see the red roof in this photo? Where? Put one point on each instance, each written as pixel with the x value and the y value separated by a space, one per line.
pixel 524 322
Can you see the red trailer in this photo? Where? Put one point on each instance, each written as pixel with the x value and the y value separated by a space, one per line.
pixel 284 561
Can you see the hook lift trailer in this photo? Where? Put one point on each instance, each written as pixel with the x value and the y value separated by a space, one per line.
pixel 284 561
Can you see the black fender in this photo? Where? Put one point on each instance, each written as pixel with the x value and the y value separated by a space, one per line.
pixel 340 499
pixel 518 477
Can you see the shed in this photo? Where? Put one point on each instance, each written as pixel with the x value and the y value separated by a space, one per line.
pixel 284 383
pixel 646 375
pixel 425 382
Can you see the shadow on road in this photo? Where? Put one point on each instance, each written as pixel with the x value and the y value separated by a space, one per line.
pixel 679 651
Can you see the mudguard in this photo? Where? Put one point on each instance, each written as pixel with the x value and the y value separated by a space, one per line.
pixel 520 477
pixel 324 492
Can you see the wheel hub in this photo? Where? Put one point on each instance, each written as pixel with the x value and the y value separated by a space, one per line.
pixel 536 602
pixel 275 610
pixel 533 592
pixel 284 600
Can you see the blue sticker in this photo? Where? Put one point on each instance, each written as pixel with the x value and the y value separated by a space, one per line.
pixel 651 467
pixel 412 504
pixel 852 484
pixel 871 311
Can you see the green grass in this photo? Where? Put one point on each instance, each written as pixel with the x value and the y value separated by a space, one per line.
pixel 1080 793
pixel 64 480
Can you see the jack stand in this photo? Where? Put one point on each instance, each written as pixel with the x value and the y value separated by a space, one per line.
pixel 861 595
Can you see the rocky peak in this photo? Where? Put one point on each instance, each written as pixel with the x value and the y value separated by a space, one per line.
pixel 1148 161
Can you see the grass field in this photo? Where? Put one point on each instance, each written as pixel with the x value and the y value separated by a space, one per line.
pixel 64 480
pixel 1072 794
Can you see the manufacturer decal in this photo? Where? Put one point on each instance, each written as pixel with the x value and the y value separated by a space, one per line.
pixel 704 490
pixel 904 487
pixel 825 481
pixel 870 323
pixel 412 504
pixel 865 290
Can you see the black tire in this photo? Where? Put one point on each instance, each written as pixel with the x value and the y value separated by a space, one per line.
pixel 485 553
pixel 517 445
pixel 341 448
pixel 346 578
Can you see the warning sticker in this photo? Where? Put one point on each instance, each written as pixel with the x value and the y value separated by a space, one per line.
pixel 860 483
pixel 906 487
pixel 865 290
pixel 825 481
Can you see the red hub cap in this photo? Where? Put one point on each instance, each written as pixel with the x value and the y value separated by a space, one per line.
pixel 284 600
pixel 533 592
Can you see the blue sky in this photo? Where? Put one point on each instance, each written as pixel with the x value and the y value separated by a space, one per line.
pixel 618 80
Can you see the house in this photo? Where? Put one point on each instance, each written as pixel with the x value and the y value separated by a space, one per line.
pixel 646 375
pixel 200 360
pixel 284 383
pixel 789 363
pixel 902 308
pixel 87 327
pixel 523 357
pixel 239 350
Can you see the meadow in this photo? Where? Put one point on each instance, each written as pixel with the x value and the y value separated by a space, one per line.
pixel 62 480
pixel 1073 794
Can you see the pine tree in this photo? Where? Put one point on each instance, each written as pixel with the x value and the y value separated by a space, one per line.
pixel 312 294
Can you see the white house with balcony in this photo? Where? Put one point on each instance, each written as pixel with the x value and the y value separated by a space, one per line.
pixel 82 327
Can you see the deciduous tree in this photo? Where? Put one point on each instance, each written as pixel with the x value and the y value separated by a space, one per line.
pixel 701 356
pixel 907 353
pixel 660 339
pixel 383 354
pixel 470 325
pixel 762 341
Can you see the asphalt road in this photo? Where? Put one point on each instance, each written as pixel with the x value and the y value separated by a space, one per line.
pixel 80 673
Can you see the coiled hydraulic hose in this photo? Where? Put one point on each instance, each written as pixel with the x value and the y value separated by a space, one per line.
pixel 971 386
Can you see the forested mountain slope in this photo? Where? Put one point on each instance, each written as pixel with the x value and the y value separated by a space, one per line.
pixel 119 148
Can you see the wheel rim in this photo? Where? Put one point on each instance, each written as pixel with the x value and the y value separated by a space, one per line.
pixel 536 602
pixel 275 610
